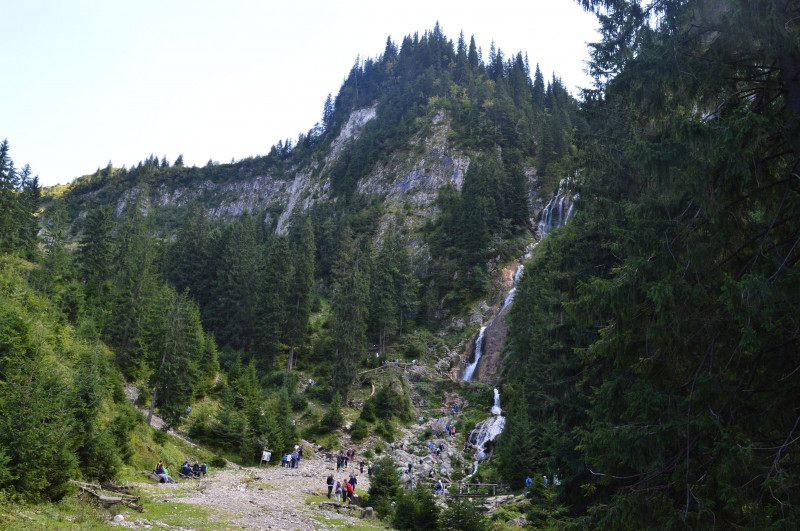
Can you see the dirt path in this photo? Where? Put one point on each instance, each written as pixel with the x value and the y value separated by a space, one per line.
pixel 266 498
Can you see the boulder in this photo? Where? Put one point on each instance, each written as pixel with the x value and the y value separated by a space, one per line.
pixel 368 513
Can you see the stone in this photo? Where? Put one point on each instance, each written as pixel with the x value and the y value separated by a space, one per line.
pixel 520 522
pixel 368 513
pixel 118 519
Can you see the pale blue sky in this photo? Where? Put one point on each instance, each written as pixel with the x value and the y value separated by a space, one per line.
pixel 85 82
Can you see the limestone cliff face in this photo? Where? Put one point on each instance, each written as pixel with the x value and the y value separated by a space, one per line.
pixel 410 178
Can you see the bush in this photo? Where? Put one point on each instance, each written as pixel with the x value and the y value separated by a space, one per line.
pixel 298 402
pixel 462 514
pixel 417 510
pixel 368 411
pixel 385 430
pixel 383 487
pixel 332 419
pixel 160 437
pixel 359 430
pixel 218 462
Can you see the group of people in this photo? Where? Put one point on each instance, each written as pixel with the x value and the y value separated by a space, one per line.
pixel 396 363
pixel 193 471
pixel 187 471
pixel 344 458
pixel 342 490
pixel 292 460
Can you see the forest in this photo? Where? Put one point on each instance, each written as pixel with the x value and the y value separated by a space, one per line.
pixel 653 352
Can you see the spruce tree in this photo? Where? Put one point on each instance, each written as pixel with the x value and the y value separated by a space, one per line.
pixel 301 250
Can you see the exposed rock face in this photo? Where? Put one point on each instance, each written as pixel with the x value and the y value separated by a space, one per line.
pixel 494 338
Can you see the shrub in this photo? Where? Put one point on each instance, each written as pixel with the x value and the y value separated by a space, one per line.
pixel 359 430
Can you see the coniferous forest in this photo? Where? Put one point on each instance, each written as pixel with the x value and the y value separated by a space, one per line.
pixel 652 361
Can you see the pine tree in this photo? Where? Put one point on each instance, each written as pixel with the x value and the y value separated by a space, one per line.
pixel 95 253
pixel 348 313
pixel 301 249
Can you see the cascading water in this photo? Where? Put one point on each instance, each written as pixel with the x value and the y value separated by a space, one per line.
pixel 553 215
pixel 510 296
pixel 469 370
pixel 486 431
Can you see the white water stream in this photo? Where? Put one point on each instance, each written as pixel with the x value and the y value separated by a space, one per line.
pixel 486 431
pixel 469 370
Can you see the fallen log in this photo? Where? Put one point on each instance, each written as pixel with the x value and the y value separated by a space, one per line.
pixel 109 501
pixel 125 489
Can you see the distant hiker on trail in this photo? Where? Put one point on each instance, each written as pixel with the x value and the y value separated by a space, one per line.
pixel 439 487
pixel 409 467
pixel 348 492
pixel 338 491
pixel 420 420
pixel 330 485
pixel 361 466
pixel 392 446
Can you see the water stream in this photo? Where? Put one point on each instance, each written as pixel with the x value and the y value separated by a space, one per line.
pixel 469 370
pixel 485 432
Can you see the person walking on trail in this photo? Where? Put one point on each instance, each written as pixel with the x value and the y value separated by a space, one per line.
pixel 439 487
pixel 361 466
pixel 409 467
pixel 338 491
pixel 348 489
pixel 330 485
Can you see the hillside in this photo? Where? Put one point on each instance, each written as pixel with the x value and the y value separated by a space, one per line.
pixel 644 373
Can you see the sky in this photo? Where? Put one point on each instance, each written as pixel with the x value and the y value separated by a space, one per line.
pixel 88 82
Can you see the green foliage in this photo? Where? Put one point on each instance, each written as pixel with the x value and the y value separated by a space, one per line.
pixel 654 339
pixel 460 514
pixel 56 406
pixel 384 487
pixel 332 419
pixel 416 510
pixel 359 430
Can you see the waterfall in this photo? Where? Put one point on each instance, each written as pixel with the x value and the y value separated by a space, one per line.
pixel 487 430
pixel 470 369
pixel 553 216
pixel 510 296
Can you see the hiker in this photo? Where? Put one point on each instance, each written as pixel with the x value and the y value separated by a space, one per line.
pixel 300 452
pixel 439 487
pixel 528 481
pixel 337 493
pixel 330 485
pixel 420 420
pixel 196 469
pixel 361 466
pixel 353 481
pixel 348 492
pixel 392 446
pixel 409 467
pixel 186 470
pixel 283 461
pixel 163 473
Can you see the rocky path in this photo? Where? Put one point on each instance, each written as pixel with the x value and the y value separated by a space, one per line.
pixel 263 498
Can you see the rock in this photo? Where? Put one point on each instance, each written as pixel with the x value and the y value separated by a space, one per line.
pixel 118 519
pixel 368 513
pixel 521 521
pixel 357 500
